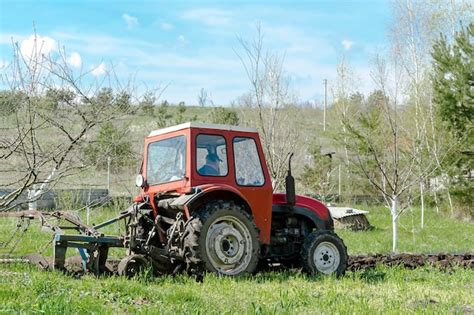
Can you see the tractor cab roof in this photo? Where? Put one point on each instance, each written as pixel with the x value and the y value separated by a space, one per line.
pixel 201 126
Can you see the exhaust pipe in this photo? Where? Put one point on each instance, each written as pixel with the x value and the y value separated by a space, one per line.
pixel 290 185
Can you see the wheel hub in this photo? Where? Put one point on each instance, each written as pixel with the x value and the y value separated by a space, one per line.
pixel 326 257
pixel 228 243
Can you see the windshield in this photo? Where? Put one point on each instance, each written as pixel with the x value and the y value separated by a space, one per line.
pixel 166 160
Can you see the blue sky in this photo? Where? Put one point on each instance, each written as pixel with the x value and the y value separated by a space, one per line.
pixel 190 44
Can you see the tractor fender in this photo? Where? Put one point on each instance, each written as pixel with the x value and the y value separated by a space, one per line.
pixel 201 194
pixel 312 209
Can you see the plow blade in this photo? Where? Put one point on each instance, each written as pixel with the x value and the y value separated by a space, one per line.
pixel 349 218
pixel 39 260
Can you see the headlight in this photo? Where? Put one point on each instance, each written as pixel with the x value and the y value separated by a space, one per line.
pixel 140 181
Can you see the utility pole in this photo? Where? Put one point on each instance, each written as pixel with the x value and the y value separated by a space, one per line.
pixel 339 190
pixel 325 103
pixel 108 174
pixel 88 208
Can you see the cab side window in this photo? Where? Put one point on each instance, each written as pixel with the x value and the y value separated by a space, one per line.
pixel 248 169
pixel 211 155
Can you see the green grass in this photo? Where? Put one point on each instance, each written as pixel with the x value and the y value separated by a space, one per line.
pixel 440 233
pixel 23 288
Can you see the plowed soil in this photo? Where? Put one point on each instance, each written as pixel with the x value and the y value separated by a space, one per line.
pixel 411 261
pixel 358 262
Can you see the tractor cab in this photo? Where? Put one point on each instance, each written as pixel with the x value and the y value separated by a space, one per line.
pixel 207 200
pixel 192 154
pixel 209 160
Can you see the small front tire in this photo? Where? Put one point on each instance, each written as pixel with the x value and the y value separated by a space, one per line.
pixel 132 265
pixel 324 252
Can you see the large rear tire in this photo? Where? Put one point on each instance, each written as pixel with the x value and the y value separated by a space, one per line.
pixel 221 238
pixel 324 252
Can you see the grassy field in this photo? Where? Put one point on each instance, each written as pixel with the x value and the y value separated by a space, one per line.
pixel 394 290
pixel 440 234
pixel 23 289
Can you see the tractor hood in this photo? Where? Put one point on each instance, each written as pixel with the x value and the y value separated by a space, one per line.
pixel 311 204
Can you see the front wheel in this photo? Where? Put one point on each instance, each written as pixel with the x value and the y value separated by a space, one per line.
pixel 132 265
pixel 323 252
pixel 222 238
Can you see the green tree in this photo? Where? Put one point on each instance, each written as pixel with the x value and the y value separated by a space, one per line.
pixel 180 110
pixel 376 100
pixel 123 101
pixel 147 105
pixel 181 116
pixel 453 80
pixel 104 98
pixel 357 100
pixel 222 115
pixel 111 142
pixel 10 101
pixel 163 115
pixel 55 97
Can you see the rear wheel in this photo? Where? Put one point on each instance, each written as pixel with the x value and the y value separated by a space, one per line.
pixel 221 238
pixel 323 252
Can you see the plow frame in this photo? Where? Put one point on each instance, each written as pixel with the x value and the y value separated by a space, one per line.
pixel 93 250
pixel 92 245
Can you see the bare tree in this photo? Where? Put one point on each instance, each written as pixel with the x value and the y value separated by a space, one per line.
pixel 271 99
pixel 343 88
pixel 384 151
pixel 204 98
pixel 55 112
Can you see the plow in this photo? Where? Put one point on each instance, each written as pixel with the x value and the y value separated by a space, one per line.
pixel 91 244
pixel 206 204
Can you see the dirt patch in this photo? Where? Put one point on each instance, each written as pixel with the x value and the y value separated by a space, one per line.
pixel 359 262
pixel 411 261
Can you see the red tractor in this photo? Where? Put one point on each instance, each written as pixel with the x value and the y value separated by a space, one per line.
pixel 207 204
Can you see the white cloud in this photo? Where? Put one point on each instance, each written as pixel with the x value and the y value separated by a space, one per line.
pixel 166 26
pixel 130 20
pixel 182 40
pixel 107 47
pixel 347 44
pixel 10 38
pixel 36 46
pixel 99 70
pixel 74 60
pixel 211 17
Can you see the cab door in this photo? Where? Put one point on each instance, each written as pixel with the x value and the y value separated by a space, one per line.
pixel 253 181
